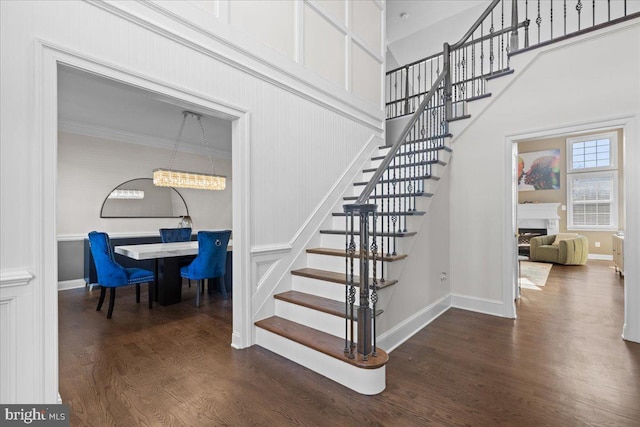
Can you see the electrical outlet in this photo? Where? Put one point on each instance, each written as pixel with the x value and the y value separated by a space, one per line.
pixel 597 244
pixel 443 276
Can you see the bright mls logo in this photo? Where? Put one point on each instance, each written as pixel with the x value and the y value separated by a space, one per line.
pixel 37 415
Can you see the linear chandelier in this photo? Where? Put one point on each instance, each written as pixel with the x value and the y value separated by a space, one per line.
pixel 183 179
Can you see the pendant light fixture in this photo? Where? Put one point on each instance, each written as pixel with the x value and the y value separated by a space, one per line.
pixel 182 179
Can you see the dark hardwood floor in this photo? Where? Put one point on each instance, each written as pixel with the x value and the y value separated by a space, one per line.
pixel 561 363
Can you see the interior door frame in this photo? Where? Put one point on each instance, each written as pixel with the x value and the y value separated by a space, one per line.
pixel 45 127
pixel 629 126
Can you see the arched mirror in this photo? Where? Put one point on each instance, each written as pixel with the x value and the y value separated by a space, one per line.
pixel 139 198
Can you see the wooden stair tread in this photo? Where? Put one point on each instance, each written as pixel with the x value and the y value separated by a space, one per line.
pixel 429 138
pixel 427 150
pixel 325 305
pixel 387 196
pixel 498 74
pixel 403 213
pixel 319 341
pixel 405 179
pixel 463 117
pixel 410 165
pixel 385 234
pixel 334 277
pixel 341 253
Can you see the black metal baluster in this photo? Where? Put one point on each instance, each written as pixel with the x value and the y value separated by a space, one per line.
pixel 551 12
pixel 593 10
pixel 482 57
pixel 539 21
pixel 346 275
pixel 491 56
pixel 608 10
pixel 406 90
pixel 526 24
pixel 579 9
pixel 565 17
pixel 388 201
pixel 374 285
pixel 473 68
pixel 502 36
pixel 352 290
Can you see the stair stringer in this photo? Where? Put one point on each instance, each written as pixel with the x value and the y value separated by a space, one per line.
pixel 277 277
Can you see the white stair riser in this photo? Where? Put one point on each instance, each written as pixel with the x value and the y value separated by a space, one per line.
pixel 321 288
pixel 410 222
pixel 319 320
pixel 338 241
pixel 337 264
pixel 364 381
pixel 422 204
pixel 428 186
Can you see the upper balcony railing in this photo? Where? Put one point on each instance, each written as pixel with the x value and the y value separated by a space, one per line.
pixel 505 27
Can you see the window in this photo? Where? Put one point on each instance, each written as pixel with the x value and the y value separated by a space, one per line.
pixel 592 182
pixel 593 152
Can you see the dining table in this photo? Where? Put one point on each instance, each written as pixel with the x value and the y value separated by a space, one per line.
pixel 169 257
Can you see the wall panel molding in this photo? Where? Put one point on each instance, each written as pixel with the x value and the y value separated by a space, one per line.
pixel 8 349
pixel 137 138
pixel 9 278
pixel 270 66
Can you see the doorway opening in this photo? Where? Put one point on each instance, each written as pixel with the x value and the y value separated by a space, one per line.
pixel 558 196
pixel 52 58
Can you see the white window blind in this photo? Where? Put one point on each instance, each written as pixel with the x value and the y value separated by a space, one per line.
pixel 593 201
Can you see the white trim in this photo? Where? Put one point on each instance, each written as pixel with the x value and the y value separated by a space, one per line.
pixel 14 278
pixel 479 305
pixel 317 7
pixel 243 328
pixel 47 58
pixel 613 151
pixel 287 73
pixel 65 285
pixel 629 125
pixel 601 257
pixel 275 248
pixel 399 334
pixel 364 381
pixel 138 139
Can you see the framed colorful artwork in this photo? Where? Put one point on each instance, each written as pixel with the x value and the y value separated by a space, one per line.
pixel 539 170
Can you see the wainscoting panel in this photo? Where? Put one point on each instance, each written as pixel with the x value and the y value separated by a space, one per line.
pixel 8 349
pixel 14 292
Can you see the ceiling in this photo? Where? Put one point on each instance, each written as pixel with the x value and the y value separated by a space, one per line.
pixel 94 105
pixel 421 14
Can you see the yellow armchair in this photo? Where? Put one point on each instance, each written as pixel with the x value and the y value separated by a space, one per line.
pixel 567 249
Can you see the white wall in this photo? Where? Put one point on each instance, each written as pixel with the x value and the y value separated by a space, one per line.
pixel 561 87
pixel 420 295
pixel 89 168
pixel 429 40
pixel 294 137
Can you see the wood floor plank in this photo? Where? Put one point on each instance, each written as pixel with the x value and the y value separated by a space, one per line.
pixel 561 363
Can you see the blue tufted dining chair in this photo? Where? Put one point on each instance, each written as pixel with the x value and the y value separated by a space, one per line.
pixel 211 260
pixel 169 235
pixel 112 275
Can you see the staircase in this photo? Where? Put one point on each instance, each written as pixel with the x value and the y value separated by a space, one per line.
pixel 318 323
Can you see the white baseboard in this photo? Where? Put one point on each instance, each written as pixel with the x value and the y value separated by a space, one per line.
pixel 393 338
pixel 479 305
pixel 600 257
pixel 65 285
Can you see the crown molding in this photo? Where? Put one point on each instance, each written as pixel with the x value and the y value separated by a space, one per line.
pixel 77 128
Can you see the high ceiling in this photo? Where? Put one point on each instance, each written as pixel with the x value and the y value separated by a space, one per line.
pixel 421 14
pixel 94 105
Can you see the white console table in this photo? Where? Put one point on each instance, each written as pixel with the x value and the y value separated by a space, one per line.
pixel 618 253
